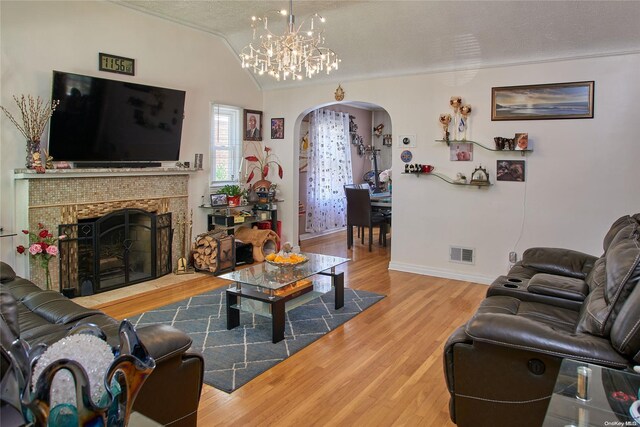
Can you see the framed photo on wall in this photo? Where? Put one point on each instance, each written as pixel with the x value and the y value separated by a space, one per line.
pixel 510 170
pixel 277 128
pixel 543 102
pixel 252 125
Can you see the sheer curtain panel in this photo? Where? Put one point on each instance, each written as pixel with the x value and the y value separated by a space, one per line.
pixel 328 171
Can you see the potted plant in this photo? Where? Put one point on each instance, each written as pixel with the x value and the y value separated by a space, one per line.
pixel 233 192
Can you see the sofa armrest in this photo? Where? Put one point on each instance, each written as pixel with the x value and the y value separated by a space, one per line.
pixel 171 394
pixel 525 334
pixel 564 262
pixel 163 341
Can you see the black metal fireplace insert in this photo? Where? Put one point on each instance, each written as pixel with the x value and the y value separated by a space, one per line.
pixel 119 249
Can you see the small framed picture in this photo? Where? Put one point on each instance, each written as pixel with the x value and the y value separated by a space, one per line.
pixel 460 151
pixel 252 125
pixel 522 141
pixel 218 200
pixel 510 170
pixel 277 128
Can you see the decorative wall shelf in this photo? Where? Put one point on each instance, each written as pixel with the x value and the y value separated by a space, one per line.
pixel 447 179
pixel 522 152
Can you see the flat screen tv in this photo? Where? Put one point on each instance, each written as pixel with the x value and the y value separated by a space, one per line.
pixel 101 121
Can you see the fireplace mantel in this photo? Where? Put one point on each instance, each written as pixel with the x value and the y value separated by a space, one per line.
pixel 52 198
pixel 100 172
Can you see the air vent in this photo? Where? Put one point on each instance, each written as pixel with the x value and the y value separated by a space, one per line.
pixel 463 255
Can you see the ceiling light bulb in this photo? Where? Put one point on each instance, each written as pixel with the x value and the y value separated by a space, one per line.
pixel 283 12
pixel 322 20
pixel 253 18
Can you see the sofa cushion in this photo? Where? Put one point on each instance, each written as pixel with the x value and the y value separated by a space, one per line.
pixel 9 326
pixel 564 262
pixel 613 279
pixel 618 225
pixel 56 308
pixel 6 273
pixel 20 288
pixel 558 286
pixel 541 328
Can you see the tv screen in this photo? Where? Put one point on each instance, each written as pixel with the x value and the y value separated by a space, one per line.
pixel 101 120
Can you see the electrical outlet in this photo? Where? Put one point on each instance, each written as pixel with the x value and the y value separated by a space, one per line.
pixel 513 257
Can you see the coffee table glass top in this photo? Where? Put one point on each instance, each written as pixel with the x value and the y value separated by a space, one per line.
pixel 609 394
pixel 269 276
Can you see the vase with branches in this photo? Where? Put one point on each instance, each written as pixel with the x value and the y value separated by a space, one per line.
pixel 263 162
pixel 35 114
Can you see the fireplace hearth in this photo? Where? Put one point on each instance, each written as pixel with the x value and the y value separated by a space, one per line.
pixel 119 249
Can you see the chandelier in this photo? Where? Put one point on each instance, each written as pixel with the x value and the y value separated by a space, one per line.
pixel 297 53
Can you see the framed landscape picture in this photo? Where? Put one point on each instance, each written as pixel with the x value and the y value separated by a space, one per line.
pixel 543 102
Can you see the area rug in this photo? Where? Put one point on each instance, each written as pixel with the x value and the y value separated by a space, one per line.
pixel 235 357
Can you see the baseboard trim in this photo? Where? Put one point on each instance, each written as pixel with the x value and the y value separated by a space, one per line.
pixel 307 236
pixel 447 274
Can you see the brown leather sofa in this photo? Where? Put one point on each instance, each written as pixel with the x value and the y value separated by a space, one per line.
pixel 501 366
pixel 171 393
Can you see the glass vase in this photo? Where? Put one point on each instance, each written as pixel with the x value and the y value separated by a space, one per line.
pixel 47 276
pixel 33 146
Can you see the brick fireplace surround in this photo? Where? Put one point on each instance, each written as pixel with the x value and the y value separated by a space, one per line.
pixel 64 196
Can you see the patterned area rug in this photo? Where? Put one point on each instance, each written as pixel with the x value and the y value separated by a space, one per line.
pixel 235 357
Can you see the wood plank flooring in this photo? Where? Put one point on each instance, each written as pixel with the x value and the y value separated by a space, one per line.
pixel 382 368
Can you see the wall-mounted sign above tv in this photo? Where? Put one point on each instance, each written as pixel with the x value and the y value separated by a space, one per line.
pixel 113 123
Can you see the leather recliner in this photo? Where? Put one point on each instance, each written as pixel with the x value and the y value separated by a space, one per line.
pixel 501 366
pixel 171 393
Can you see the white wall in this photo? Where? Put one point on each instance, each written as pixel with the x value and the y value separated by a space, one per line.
pixel 38 37
pixel 582 175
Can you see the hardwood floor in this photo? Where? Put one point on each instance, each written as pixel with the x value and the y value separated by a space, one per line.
pixel 384 367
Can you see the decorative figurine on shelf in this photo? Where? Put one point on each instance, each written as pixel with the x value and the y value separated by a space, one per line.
pixel 460 178
pixel 463 124
pixel 500 142
pixel 455 102
pixel 480 176
pixel 444 120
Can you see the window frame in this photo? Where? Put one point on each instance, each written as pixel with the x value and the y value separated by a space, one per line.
pixel 235 143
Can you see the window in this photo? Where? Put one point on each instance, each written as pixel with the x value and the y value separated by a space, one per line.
pixel 226 144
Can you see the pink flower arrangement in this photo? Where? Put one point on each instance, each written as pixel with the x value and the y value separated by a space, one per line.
pixel 41 247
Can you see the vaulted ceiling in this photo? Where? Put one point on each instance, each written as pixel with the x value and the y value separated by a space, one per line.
pixel 376 38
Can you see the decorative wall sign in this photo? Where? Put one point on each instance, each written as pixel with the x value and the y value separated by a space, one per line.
pixel 406 156
pixel 116 64
pixel 542 102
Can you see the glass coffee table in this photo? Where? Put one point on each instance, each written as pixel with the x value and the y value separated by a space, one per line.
pixel 271 291
pixel 592 395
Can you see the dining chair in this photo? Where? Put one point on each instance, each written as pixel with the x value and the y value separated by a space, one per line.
pixel 360 214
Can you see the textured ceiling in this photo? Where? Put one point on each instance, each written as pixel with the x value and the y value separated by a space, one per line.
pixel 378 38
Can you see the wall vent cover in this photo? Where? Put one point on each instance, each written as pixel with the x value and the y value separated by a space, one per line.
pixel 463 255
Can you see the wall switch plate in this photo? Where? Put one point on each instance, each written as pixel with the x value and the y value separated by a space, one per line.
pixel 513 257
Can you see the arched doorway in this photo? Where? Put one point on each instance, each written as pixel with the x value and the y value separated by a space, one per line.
pixel 370 142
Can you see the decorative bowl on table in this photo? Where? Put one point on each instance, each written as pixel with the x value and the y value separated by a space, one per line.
pixel 286 260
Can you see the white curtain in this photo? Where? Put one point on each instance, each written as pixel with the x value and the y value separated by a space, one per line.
pixel 328 171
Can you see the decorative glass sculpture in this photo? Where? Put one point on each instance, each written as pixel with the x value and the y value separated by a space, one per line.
pixel 79 402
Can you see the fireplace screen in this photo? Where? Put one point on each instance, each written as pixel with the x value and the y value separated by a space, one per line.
pixel 119 249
